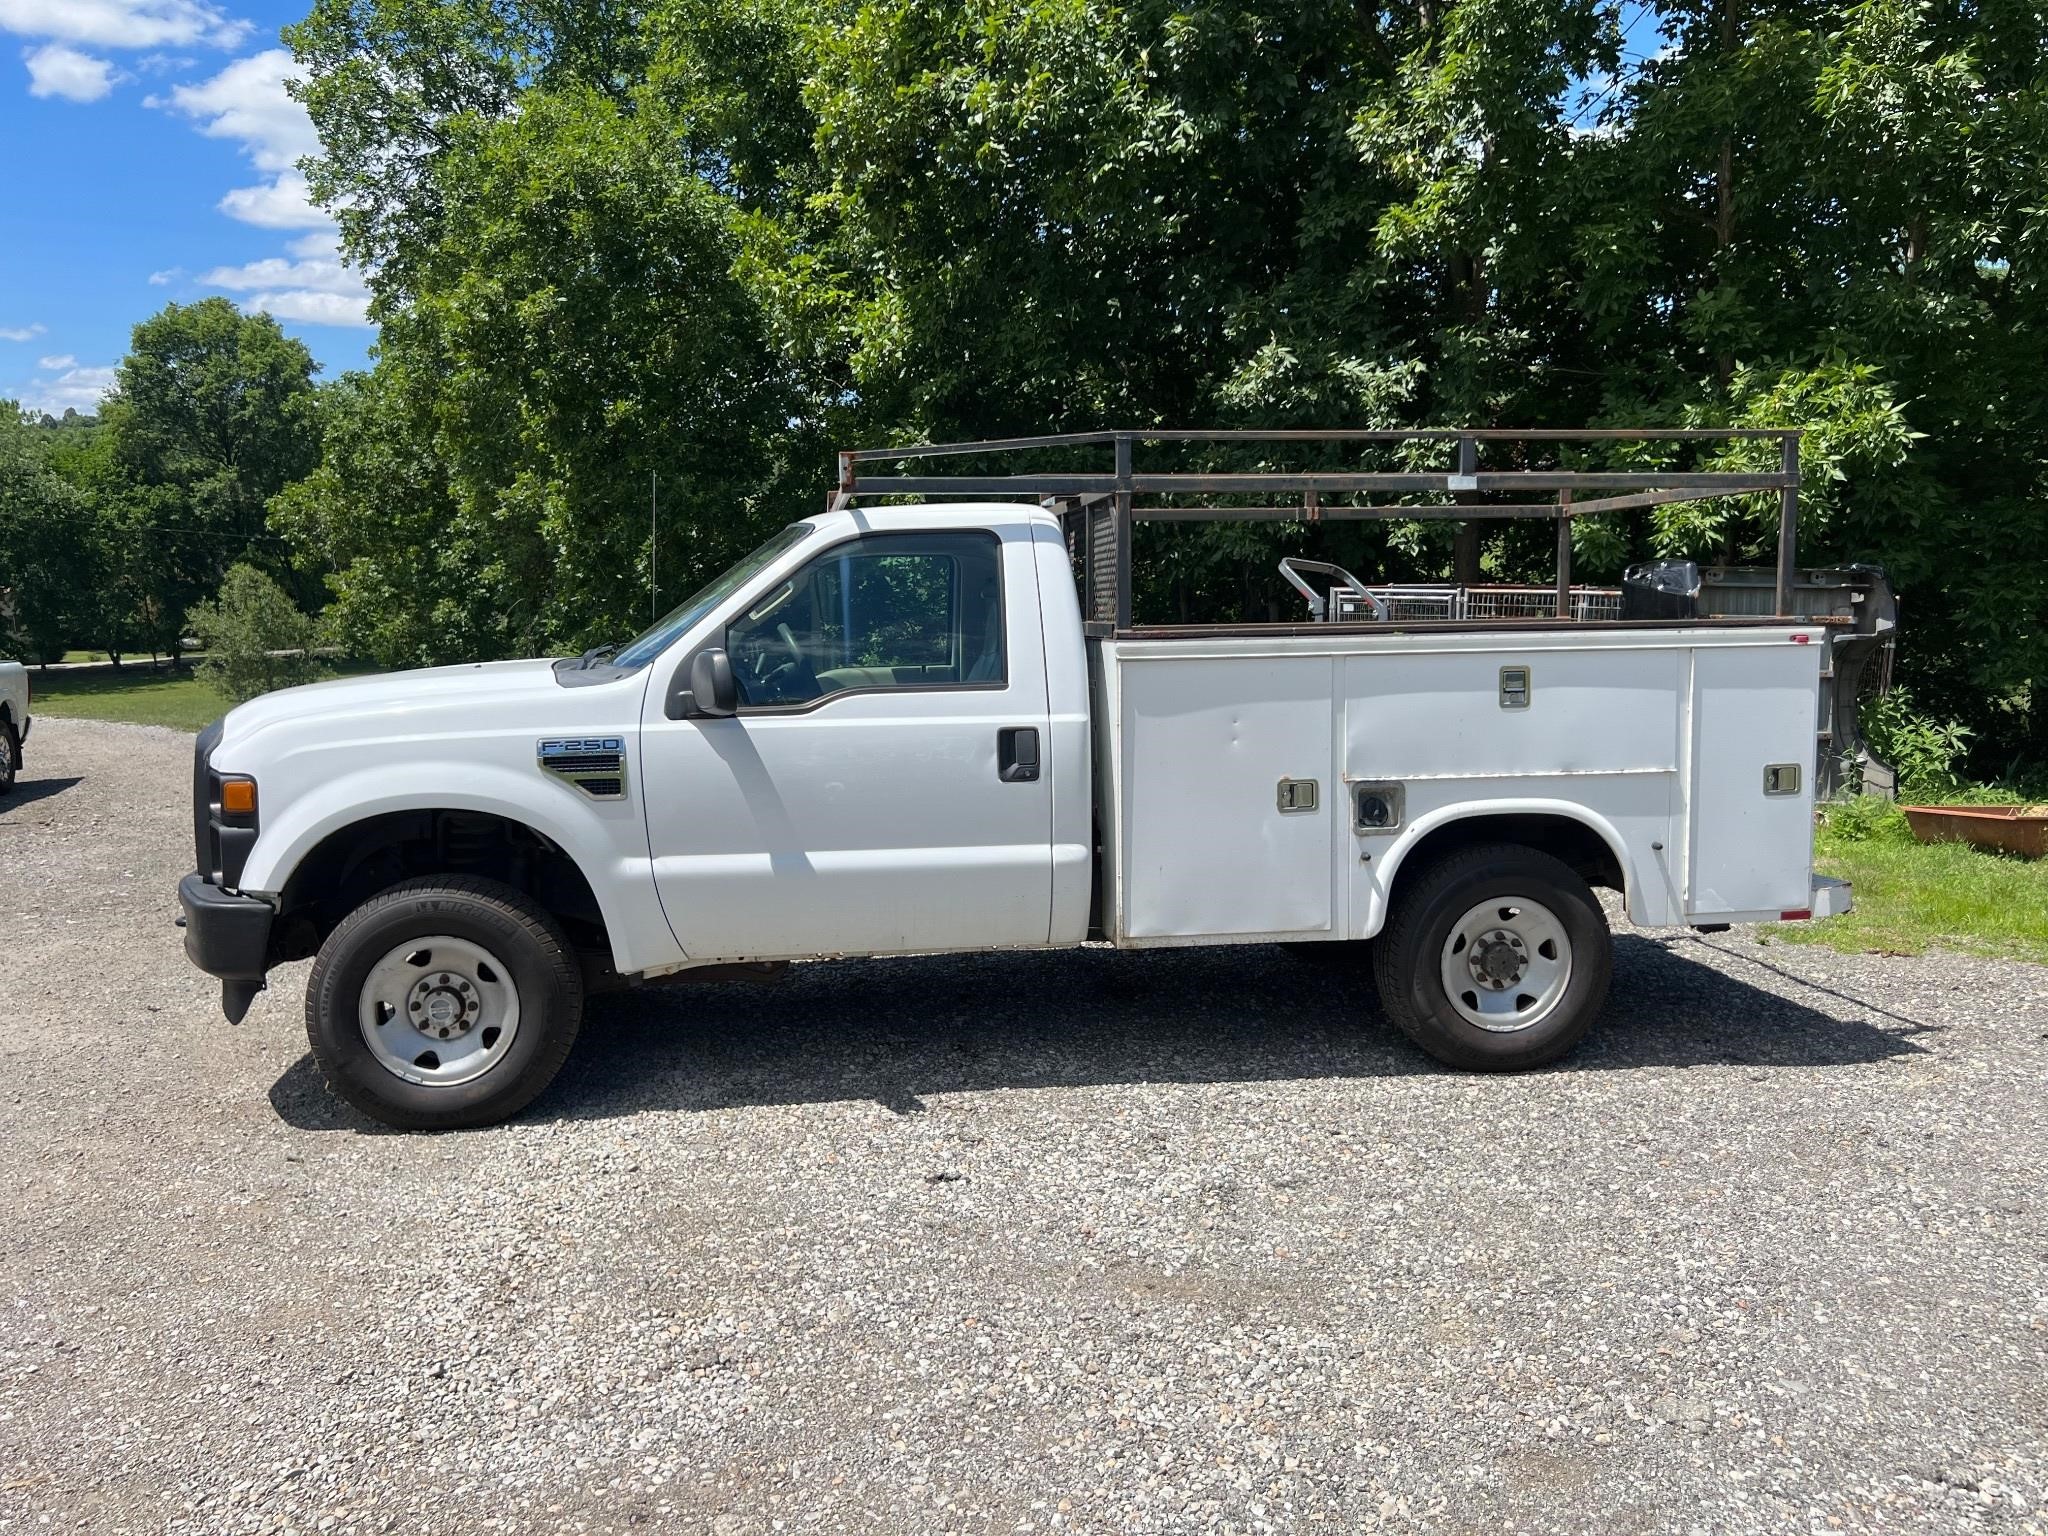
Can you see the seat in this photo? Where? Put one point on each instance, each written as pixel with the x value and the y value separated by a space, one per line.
pixel 988 666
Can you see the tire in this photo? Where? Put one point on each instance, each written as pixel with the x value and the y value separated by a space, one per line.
pixel 10 755
pixel 1524 939
pixel 462 985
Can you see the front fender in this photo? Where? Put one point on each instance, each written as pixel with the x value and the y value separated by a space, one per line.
pixel 606 840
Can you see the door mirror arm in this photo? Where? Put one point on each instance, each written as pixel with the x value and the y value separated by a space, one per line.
pixel 703 687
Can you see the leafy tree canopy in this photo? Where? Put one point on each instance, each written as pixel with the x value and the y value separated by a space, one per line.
pixel 705 239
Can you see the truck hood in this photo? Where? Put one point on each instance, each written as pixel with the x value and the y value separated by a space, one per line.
pixel 398 700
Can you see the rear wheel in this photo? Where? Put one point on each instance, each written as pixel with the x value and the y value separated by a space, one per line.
pixel 444 1002
pixel 1495 958
pixel 10 755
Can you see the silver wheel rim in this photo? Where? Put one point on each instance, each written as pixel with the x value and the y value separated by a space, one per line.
pixel 1506 964
pixel 439 1011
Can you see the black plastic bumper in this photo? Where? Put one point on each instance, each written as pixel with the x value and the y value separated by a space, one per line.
pixel 226 936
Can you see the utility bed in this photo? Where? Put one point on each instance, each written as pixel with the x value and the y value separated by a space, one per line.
pixel 1681 747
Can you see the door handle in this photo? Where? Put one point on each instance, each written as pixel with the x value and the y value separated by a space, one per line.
pixel 1017 754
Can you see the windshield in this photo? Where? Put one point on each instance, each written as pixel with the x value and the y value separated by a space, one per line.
pixel 658 639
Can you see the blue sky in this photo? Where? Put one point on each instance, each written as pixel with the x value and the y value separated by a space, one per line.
pixel 149 147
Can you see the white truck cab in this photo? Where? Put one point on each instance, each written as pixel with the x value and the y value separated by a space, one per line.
pixel 893 729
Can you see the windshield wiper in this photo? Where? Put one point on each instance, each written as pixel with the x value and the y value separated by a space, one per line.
pixel 594 655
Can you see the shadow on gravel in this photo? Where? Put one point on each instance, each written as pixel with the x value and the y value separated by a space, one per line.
pixel 893 1031
pixel 29 791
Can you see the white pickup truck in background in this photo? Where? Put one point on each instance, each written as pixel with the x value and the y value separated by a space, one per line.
pixel 15 694
pixel 895 729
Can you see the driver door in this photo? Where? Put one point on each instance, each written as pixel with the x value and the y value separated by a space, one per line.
pixel 872 793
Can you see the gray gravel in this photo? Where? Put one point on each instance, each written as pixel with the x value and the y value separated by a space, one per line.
pixel 1076 1242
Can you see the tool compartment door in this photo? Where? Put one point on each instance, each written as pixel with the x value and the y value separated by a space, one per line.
pixel 1207 851
pixel 1750 846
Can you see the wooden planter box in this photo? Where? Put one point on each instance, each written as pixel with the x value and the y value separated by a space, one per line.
pixel 2020 829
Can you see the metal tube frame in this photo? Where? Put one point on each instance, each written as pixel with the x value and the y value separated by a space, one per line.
pixel 1124 487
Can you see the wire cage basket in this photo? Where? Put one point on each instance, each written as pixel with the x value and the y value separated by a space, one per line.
pixel 1458 603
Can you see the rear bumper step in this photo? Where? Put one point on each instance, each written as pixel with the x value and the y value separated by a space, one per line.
pixel 1832 898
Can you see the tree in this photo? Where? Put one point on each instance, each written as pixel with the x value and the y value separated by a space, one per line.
pixel 212 415
pixel 1830 216
pixel 1273 216
pixel 374 516
pixel 920 218
pixel 47 567
pixel 118 608
pixel 574 342
pixel 255 637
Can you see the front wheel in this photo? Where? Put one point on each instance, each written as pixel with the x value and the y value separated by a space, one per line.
pixel 10 755
pixel 444 1002
pixel 1495 958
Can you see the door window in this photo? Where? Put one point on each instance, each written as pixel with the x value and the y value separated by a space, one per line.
pixel 892 611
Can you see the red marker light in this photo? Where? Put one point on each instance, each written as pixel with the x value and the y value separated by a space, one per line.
pixel 1796 915
pixel 1802 639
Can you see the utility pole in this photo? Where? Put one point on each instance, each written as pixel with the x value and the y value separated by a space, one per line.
pixel 653 553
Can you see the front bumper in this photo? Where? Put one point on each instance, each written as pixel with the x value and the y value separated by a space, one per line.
pixel 228 936
pixel 225 935
pixel 1831 897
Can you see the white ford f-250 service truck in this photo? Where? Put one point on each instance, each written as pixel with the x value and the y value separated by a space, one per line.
pixel 907 728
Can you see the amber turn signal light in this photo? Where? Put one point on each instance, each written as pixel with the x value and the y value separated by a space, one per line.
pixel 238 797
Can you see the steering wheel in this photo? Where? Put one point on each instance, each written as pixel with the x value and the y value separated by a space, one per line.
pixel 790 678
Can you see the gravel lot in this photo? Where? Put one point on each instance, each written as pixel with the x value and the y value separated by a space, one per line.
pixel 1086 1242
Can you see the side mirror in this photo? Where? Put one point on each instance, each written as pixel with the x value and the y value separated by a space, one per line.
pixel 703 688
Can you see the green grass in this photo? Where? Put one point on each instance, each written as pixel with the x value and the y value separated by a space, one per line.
pixel 1912 897
pixel 138 697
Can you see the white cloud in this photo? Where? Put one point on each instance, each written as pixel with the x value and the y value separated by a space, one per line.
pixel 52 364
pixel 322 242
pixel 276 271
pixel 55 70
pixel 280 204
pixel 77 389
pixel 247 101
pixel 124 23
pixel 167 276
pixel 312 308
pixel 315 288
pixel 20 332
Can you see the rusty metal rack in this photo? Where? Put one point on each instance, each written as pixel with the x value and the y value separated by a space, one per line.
pixel 1099 509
